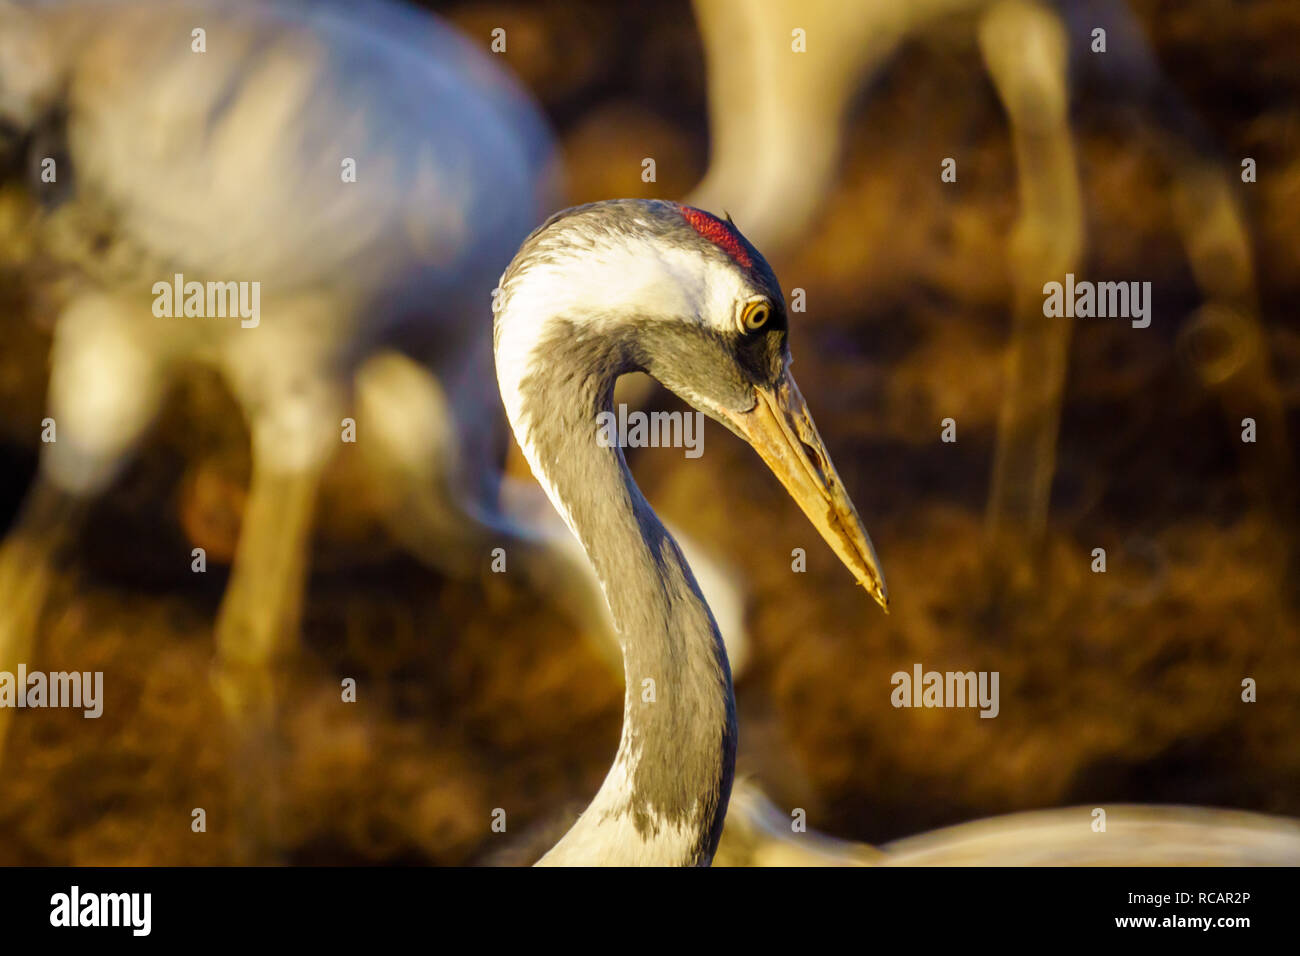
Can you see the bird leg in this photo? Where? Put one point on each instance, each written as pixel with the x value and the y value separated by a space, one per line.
pixel 412 450
pixel 258 621
pixel 775 115
pixel 293 432
pixel 47 524
pixel 1024 48
pixel 1224 342
pixel 105 387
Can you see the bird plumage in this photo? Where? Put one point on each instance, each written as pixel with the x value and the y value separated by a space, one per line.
pixel 231 160
pixel 628 285
pixel 760 834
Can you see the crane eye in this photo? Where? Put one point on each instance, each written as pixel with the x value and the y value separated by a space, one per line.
pixel 755 315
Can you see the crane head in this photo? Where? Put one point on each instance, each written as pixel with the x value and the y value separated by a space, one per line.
pixel 683 296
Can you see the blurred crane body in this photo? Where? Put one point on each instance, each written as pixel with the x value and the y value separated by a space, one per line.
pixel 759 834
pixel 368 172
pixel 777 120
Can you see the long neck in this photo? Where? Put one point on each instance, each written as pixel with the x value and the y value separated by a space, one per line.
pixel 665 796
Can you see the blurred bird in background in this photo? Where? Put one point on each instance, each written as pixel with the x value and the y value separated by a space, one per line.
pixel 759 834
pixel 225 157
pixel 777 125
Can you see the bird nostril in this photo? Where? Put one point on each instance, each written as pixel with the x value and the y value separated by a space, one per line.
pixel 816 457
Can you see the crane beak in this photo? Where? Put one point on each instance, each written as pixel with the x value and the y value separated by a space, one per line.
pixel 781 429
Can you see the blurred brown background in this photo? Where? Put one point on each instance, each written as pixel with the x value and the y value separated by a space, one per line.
pixel 1123 686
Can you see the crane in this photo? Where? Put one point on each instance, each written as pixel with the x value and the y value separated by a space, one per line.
pixel 649 285
pixel 759 834
pixel 777 120
pixel 363 177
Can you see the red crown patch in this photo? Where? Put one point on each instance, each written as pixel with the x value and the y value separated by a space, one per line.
pixel 721 234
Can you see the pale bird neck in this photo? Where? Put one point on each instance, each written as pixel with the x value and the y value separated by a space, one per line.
pixel 665 796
